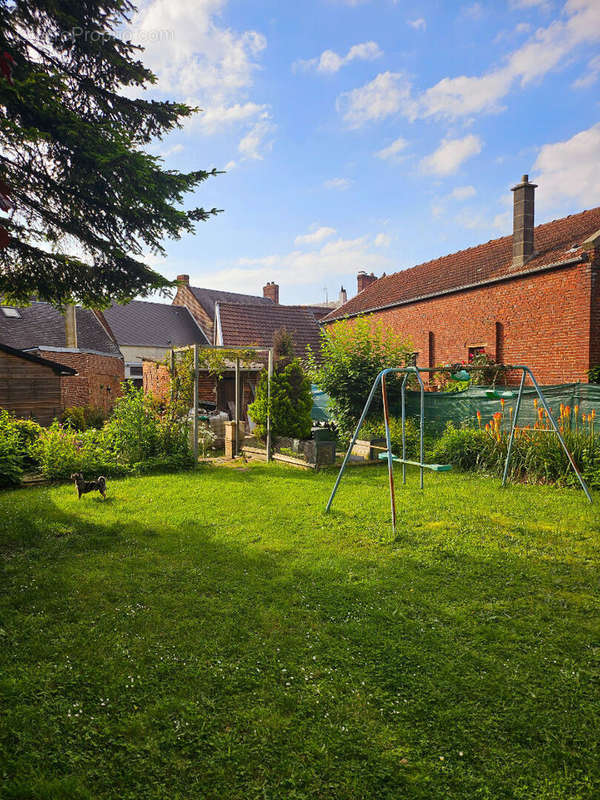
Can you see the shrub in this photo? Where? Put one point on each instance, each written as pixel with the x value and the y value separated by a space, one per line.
pixel 12 452
pixel 352 354
pixel 465 448
pixel 291 403
pixel 80 418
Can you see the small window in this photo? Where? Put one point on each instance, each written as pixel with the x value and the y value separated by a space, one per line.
pixel 476 351
pixel 136 369
pixel 8 311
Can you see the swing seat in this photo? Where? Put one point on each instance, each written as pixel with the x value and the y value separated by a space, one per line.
pixel 493 394
pixel 432 467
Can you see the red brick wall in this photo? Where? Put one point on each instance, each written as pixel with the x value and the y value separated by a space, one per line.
pixel 595 310
pixel 546 322
pixel 98 382
pixel 184 297
pixel 157 381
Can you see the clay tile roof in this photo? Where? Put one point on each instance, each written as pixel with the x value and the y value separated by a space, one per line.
pixel 209 297
pixel 153 324
pixel 250 324
pixel 42 325
pixel 555 242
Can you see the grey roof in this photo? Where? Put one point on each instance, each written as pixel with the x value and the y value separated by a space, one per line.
pixel 209 297
pixel 59 369
pixel 42 325
pixel 153 324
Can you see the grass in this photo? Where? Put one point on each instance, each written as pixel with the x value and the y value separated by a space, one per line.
pixel 215 635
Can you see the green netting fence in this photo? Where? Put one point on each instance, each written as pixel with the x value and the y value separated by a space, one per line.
pixel 462 407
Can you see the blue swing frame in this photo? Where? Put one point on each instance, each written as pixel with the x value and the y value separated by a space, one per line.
pixel 390 458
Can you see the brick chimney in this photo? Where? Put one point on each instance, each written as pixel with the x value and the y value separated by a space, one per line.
pixel 184 279
pixel 70 327
pixel 343 296
pixel 523 221
pixel 271 291
pixel 365 280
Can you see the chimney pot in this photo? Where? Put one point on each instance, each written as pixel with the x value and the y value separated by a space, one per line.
pixel 343 298
pixel 184 279
pixel 523 221
pixel 271 291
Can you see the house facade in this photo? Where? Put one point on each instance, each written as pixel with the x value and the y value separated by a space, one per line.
pixel 532 298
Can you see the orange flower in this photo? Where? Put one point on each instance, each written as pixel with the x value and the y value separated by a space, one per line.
pixel 535 402
pixel 593 413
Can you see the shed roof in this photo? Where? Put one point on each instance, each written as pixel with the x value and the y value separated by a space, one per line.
pixel 59 369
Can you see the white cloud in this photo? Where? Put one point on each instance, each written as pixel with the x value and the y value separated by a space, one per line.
pixel 463 192
pixel 316 237
pixel 418 24
pixel 215 118
pixel 338 183
pixel 198 60
pixel 230 165
pixel 392 151
pixel 391 93
pixel 569 170
pixel 200 57
pixel 387 93
pixel 256 143
pixel 383 240
pixel 329 61
pixel 591 76
pixel 300 267
pixel 450 155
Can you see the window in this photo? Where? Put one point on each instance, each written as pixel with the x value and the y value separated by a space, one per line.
pixel 476 351
pixel 8 311
pixel 136 369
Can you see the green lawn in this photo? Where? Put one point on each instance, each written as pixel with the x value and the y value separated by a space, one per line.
pixel 215 635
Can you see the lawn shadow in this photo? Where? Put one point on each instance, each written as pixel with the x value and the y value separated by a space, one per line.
pixel 417 652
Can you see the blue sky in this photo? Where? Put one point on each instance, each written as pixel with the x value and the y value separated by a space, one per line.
pixel 370 134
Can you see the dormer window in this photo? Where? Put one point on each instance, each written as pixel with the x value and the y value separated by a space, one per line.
pixel 9 311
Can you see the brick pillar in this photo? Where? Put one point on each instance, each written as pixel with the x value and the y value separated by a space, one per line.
pixel 230 438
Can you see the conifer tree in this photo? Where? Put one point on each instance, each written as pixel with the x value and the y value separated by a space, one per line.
pixel 89 202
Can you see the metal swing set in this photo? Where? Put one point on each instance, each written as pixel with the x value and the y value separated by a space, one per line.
pixel 459 372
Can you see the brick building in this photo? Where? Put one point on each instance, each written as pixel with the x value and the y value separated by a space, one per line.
pixel 531 298
pixel 80 339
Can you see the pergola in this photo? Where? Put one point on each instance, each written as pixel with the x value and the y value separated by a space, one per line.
pixel 196 350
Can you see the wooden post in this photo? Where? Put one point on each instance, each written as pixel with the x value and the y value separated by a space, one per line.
pixel 172 375
pixel 269 376
pixel 195 403
pixel 237 406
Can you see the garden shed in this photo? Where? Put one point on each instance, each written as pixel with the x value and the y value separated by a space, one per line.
pixel 30 386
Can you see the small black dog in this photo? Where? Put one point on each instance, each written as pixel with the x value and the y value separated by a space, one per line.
pixel 83 486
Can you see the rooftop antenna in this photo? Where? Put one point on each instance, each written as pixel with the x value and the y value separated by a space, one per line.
pixel 326 294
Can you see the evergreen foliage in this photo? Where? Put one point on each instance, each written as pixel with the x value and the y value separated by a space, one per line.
pixel 291 403
pixel 90 202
